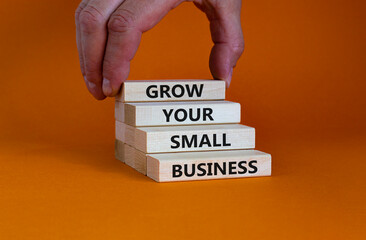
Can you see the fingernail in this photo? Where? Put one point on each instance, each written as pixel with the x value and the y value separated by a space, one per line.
pixel 107 88
pixel 92 85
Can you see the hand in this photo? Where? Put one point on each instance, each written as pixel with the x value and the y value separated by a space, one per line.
pixel 108 33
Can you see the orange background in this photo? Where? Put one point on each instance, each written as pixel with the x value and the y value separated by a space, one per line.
pixel 301 83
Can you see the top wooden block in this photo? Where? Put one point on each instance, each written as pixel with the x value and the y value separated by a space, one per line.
pixel 171 90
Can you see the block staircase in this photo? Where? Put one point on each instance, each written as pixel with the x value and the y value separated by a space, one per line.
pixel 183 130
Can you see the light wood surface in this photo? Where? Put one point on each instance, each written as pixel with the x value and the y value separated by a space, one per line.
pixel 171 90
pixel 177 113
pixel 119 150
pixel 187 138
pixel 131 156
pixel 186 166
pixel 119 111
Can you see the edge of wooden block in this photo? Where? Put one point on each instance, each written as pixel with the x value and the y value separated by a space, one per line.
pixel 122 95
pixel 129 155
pixel 130 114
pixel 119 152
pixel 140 161
pixel 120 131
pixel 152 167
pixel 119 111
pixel 140 140
pixel 238 111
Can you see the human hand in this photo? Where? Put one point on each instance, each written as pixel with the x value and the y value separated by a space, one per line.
pixel 108 33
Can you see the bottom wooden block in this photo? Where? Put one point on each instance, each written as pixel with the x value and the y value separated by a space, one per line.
pixel 186 166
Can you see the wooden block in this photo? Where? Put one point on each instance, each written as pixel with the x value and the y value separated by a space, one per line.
pixel 186 166
pixel 172 90
pixel 135 159
pixel 119 150
pixel 187 138
pixel 168 167
pixel 177 113
pixel 140 161
pixel 119 111
pixel 125 133
pixel 131 156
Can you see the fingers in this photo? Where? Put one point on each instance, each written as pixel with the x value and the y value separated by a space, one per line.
pixel 125 28
pixel 80 8
pixel 108 39
pixel 226 34
pixel 92 31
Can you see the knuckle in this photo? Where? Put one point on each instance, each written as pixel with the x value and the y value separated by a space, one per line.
pixel 78 10
pixel 90 19
pixel 77 13
pixel 121 21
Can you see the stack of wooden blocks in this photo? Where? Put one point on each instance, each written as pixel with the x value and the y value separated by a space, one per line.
pixel 179 130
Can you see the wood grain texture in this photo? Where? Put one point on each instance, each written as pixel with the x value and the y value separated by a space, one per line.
pixel 187 166
pixel 177 113
pixel 119 150
pixel 187 138
pixel 171 90
pixel 119 111
pixel 131 156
